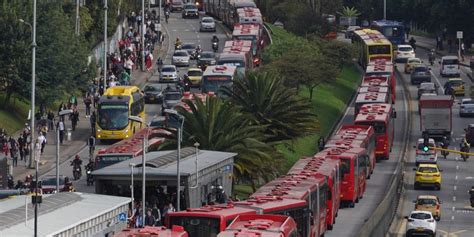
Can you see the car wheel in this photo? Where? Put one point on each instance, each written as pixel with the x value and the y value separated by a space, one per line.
pixel 416 164
pixel 438 187
pixel 415 186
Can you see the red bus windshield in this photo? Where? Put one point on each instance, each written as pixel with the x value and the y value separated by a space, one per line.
pixel 197 226
pixel 379 127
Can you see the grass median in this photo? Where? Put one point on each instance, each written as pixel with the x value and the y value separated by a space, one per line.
pixel 13 115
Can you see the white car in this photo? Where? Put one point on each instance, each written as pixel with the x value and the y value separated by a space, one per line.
pixel 421 223
pixel 449 66
pixel 181 58
pixel 404 52
pixel 168 73
pixel 208 24
pixel 422 157
pixel 467 107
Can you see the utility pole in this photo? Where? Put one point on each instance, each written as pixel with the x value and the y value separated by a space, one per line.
pixel 143 35
pixel 78 25
pixel 385 9
pixel 33 85
pixel 105 45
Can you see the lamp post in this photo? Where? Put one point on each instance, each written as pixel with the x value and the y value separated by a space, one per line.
pixel 105 45
pixel 145 139
pixel 143 35
pixel 61 113
pixel 196 146
pixel 132 165
pixel 385 9
pixel 178 157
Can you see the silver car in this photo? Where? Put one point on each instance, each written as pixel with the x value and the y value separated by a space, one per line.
pixel 168 73
pixel 467 107
pixel 171 99
pixel 208 24
pixel 181 58
pixel 427 88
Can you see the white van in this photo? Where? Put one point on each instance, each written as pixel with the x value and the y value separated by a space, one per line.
pixel 450 66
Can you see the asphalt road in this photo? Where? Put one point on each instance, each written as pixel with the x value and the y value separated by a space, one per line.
pixel 188 31
pixel 457 217
pixel 350 220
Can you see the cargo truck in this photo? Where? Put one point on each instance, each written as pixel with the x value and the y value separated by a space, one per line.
pixel 436 115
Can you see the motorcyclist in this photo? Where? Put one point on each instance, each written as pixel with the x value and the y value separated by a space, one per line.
pixel 76 163
pixel 413 43
pixel 90 165
pixel 215 39
pixel 471 193
pixel 444 144
pixel 431 56
pixel 464 147
pixel 177 44
pixel 68 185
pixel 167 15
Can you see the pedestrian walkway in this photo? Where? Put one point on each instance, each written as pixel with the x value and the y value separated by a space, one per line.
pixel 70 148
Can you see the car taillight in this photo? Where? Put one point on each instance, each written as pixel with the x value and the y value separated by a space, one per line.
pixel 431 220
pixel 410 220
pixel 417 175
pixel 437 207
pixel 436 175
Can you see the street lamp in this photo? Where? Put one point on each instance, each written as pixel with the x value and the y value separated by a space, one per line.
pixel 178 157
pixel 105 45
pixel 196 145
pixel 61 113
pixel 385 9
pixel 145 138
pixel 143 35
pixel 132 165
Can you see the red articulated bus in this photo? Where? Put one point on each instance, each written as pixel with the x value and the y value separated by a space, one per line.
pixel 129 148
pixel 370 98
pixel 261 226
pixel 382 68
pixel 241 47
pixel 318 166
pixel 383 124
pixel 349 143
pixel 253 33
pixel 353 174
pixel 312 190
pixel 175 231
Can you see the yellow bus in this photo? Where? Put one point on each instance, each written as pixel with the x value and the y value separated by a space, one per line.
pixel 114 109
pixel 372 46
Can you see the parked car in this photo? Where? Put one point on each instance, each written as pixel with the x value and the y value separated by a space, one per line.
pixel 411 62
pixel 48 184
pixel 420 73
pixel 207 24
pixel 190 11
pixel 404 52
pixel 180 58
pixel 420 223
pixel 169 73
pixel 427 88
pixel 428 157
pixel 176 5
pixel 350 31
pixel 466 107
pixel 171 99
pixel 429 203
pixel 427 175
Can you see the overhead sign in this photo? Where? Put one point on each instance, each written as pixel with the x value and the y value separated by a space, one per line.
pixel 122 216
pixel 459 34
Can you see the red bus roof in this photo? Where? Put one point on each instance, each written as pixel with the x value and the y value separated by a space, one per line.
pixel 246 29
pixel 270 204
pixel 337 153
pixel 238 43
pixel 236 49
pixel 372 97
pixel 377 89
pixel 134 144
pixel 175 231
pixel 375 67
pixel 260 226
pixel 290 186
pixel 376 108
pixel 345 143
pixel 355 129
pixel 312 166
pixel 228 211
pixel 375 81
pixel 193 96
pixel 371 117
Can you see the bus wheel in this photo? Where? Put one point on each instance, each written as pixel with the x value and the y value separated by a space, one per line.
pixel 329 227
pixel 351 204
pixel 357 200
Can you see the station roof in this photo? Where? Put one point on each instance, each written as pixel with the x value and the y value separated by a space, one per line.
pixel 57 213
pixel 163 163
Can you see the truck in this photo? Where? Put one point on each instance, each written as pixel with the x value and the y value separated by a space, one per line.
pixel 436 115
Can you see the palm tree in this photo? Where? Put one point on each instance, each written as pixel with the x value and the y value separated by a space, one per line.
pixel 278 108
pixel 221 126
pixel 349 12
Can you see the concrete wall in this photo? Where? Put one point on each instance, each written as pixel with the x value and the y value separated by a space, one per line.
pixel 98 50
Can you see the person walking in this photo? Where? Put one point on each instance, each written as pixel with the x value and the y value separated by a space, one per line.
pixel 72 101
pixel 92 121
pixel 21 147
pixel 149 218
pixel 61 128
pixel 74 117
pixel 87 103
pixel 50 120
pixel 14 156
pixel 42 141
pixel 91 144
pixel 157 214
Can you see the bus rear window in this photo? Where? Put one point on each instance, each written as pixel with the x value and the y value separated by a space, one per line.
pixel 450 62
pixel 197 226
pixel 379 49
pixel 379 127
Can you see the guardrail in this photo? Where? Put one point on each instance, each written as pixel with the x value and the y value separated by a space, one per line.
pixel 378 224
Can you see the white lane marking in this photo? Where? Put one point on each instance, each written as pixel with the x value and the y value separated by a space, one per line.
pixel 455 187
pixel 437 80
pixel 469 177
pixel 457 167
pixel 456 178
pixel 454 208
pixel 454 198
pixel 452 218
pixel 197 36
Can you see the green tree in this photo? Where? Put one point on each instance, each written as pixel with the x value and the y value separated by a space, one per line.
pixel 282 113
pixel 220 126
pixel 349 12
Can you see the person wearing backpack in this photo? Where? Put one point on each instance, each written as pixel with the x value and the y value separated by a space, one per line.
pixel 87 103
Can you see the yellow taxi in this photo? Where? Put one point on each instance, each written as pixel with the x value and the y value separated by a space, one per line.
pixel 457 84
pixel 428 175
pixel 411 63
pixel 429 203
pixel 195 76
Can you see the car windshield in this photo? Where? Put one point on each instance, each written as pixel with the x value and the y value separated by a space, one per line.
pixel 420 216
pixel 427 201
pixel 172 96
pixel 450 62
pixel 194 73
pixel 190 6
pixel 456 83
pixel 414 61
pixel 405 49
pixel 150 88
pixel 157 123
pixel 188 46
pixel 237 63
pixel 52 181
pixel 207 55
pixel 420 69
pixel 428 170
pixel 168 69
pixel 113 116
pixel 427 86
pixel 468 102
pixel 208 20
pixel 180 54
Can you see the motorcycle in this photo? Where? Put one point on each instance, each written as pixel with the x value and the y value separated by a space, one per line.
pixel 177 46
pixel 195 55
pixel 431 58
pixel 90 179
pixel 76 172
pixel 215 46
pixel 444 146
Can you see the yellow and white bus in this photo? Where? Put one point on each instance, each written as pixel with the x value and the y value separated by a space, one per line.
pixel 372 46
pixel 114 109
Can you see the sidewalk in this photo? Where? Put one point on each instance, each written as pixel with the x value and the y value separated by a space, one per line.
pixel 79 137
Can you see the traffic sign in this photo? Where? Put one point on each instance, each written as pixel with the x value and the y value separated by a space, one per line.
pixel 459 34
pixel 122 216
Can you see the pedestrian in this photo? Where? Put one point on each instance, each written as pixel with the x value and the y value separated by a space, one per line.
pixel 42 141
pixel 87 103
pixel 462 51
pixel 92 120
pixel 168 209
pixel 74 117
pixel 14 155
pixel 72 102
pixel 413 43
pixel 157 214
pixel 149 218
pixel 407 31
pixel 50 120
pixel 96 98
pixel 61 128
pixel 21 147
pixel 321 143
pixel 91 144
